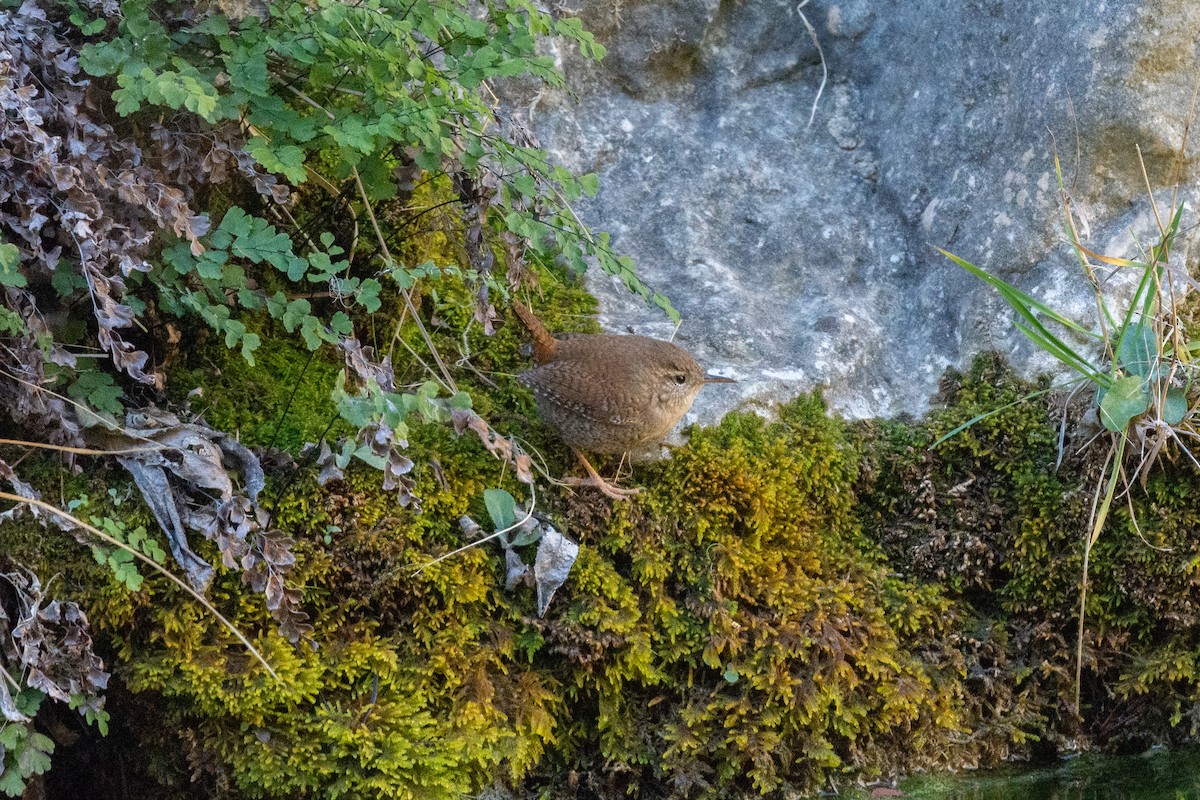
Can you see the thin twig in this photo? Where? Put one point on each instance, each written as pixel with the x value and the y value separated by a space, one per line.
pixel 99 534
pixel 824 68
pixel 405 293
pixel 86 451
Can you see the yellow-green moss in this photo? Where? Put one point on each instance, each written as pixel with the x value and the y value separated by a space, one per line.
pixel 787 603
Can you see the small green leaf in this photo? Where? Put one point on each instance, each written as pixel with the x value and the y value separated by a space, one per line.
pixel 368 295
pixel 526 537
pixel 12 784
pixel 98 390
pixel 13 734
pixel 287 160
pixel 460 400
pixel 104 58
pixel 501 507
pixel 1175 406
pixel 29 701
pixel 731 675
pixel 250 343
pixel 1138 349
pixel 42 742
pixel 341 324
pixel 234 331
pixel 590 184
pixel 10 266
pixel 1124 401
pixel 34 759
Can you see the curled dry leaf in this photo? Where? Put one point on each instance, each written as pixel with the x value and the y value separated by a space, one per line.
pixel 555 556
pixel 326 462
pixel 465 419
pixel 517 571
pixel 49 642
pixel 361 361
pixel 470 528
pixel 178 480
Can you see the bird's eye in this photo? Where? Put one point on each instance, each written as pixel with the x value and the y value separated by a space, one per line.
pixel 679 378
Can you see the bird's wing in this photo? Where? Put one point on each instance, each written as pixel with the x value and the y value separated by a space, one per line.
pixel 568 385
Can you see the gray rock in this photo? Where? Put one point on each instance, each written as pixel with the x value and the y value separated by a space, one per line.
pixel 802 255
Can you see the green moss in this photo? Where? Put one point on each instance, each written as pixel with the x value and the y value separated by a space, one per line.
pixel 788 603
pixel 998 516
pixel 756 647
pixel 281 401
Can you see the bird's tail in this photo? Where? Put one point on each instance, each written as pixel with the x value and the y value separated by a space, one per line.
pixel 543 342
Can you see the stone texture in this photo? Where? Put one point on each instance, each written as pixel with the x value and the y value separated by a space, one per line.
pixel 803 254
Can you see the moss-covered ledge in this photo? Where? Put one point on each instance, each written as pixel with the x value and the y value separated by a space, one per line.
pixel 789 606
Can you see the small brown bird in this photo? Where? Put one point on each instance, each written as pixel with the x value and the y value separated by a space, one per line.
pixel 607 393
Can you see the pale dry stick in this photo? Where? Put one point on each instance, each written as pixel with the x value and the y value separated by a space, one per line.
pixel 405 293
pixel 824 68
pixel 1078 147
pixel 397 337
pixel 99 534
pixel 1149 191
pixel 1181 159
pixel 1097 287
pixel 84 451
pixel 1179 434
pixel 528 516
pixel 1174 300
pixel 1133 514
pixel 11 680
pixel 1062 428
pixel 1179 162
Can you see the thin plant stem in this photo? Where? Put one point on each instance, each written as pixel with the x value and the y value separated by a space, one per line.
pixel 1099 516
pixel 488 538
pixel 99 534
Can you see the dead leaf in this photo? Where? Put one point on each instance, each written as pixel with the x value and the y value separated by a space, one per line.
pixel 555 557
pixel 517 570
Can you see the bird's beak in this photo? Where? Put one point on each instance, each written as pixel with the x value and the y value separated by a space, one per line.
pixel 718 379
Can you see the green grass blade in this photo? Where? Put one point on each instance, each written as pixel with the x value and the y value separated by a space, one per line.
pixel 991 413
pixel 1020 301
pixel 1050 343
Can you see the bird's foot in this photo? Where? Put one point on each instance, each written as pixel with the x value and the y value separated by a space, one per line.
pixel 595 480
pixel 605 488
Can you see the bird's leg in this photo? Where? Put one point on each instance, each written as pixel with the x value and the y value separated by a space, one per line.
pixel 594 480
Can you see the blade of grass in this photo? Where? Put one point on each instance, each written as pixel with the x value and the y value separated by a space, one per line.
pixel 1100 515
pixel 991 413
pixel 1028 308
pixel 1063 352
pixel 1026 303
